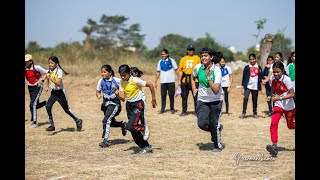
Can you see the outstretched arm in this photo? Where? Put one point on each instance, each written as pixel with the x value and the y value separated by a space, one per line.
pixel 153 94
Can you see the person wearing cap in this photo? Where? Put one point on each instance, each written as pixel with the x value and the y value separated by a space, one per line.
pixel 33 74
pixel 186 65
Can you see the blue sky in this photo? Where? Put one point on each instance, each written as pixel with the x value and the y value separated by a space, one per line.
pixel 229 22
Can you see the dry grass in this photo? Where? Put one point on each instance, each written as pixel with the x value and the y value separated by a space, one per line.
pixel 181 149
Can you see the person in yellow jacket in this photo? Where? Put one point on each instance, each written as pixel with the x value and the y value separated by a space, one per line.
pixel 186 65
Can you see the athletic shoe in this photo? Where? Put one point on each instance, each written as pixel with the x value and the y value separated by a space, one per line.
pixel 50 128
pixel 216 150
pixel 104 143
pixel 34 125
pixel 269 113
pixel 242 116
pixel 146 133
pixel 273 150
pixel 124 129
pixel 172 111
pixel 161 111
pixel 147 149
pixel 255 116
pixel 183 114
pixel 79 125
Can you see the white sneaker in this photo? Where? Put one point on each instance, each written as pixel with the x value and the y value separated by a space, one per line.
pixel 147 149
pixel 146 133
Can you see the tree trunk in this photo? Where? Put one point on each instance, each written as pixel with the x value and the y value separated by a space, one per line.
pixel 265 50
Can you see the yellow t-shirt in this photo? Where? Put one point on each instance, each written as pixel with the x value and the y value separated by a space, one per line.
pixel 133 88
pixel 187 63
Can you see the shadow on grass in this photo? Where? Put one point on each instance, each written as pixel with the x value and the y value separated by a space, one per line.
pixel 208 146
pixel 119 141
pixel 63 130
pixel 136 149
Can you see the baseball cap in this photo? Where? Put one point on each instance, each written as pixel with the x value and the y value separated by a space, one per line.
pixel 28 57
pixel 190 47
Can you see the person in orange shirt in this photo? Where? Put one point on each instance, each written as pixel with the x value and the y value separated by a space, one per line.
pixel 186 65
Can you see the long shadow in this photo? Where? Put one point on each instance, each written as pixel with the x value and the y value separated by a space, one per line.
pixel 63 130
pixel 119 141
pixel 285 149
pixel 43 123
pixel 136 149
pixel 208 146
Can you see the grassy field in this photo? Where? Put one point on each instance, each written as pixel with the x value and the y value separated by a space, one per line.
pixel 181 149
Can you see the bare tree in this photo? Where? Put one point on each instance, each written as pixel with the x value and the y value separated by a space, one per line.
pixel 265 49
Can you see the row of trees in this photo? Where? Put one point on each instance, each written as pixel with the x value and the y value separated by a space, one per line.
pixel 110 33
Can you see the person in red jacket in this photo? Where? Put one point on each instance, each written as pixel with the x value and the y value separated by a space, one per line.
pixel 33 74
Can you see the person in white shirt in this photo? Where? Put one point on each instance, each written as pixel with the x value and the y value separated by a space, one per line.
pixel 166 70
pixel 210 95
pixel 226 81
pixel 282 96
pixel 34 75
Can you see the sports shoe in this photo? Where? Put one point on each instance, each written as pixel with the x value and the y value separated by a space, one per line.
pixel 242 116
pixel 147 149
pixel 50 128
pixel 269 113
pixel 183 114
pixel 146 133
pixel 104 143
pixel 124 129
pixel 172 111
pixel 161 111
pixel 272 149
pixel 216 150
pixel 34 125
pixel 255 116
pixel 79 125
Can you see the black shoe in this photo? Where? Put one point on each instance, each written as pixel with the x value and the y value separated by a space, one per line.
pixel 50 128
pixel 40 105
pixel 79 125
pixel 183 114
pixel 242 116
pixel 172 111
pixel 161 111
pixel 269 113
pixel 124 128
pixel 104 143
pixel 272 149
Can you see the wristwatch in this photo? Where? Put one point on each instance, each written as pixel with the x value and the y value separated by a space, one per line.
pixel 209 78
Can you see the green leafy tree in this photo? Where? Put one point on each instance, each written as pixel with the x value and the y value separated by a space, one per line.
pixel 209 41
pixel 32 47
pixel 282 44
pixel 260 25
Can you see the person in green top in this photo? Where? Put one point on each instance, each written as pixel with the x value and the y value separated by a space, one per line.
pixel 291 68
